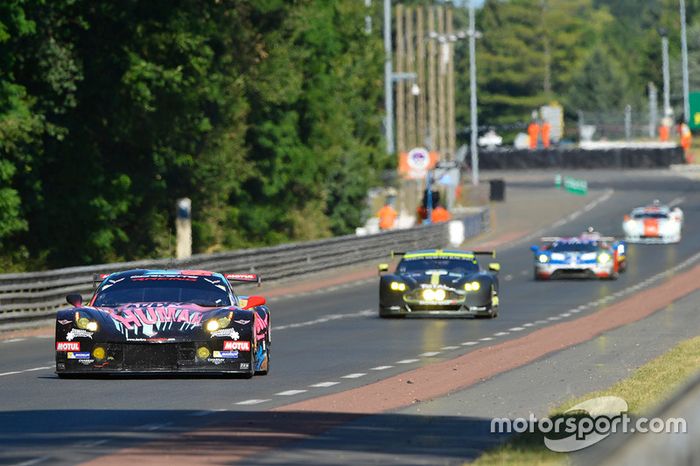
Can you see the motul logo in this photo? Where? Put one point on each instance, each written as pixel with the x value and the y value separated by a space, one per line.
pixel 67 346
pixel 237 345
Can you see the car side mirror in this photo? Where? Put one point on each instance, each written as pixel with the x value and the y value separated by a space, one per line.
pixel 74 299
pixel 254 301
pixel 534 248
pixel 494 267
pixel 382 268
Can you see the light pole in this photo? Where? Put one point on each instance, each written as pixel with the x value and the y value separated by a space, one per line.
pixel 684 54
pixel 667 79
pixel 473 35
pixel 388 80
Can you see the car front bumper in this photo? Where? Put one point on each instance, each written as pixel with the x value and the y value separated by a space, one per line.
pixel 548 270
pixel 136 358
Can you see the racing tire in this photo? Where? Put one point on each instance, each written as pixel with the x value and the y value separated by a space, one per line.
pixel 267 362
pixel 494 309
pixel 251 369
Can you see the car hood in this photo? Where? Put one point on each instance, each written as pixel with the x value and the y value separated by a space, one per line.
pixel 163 321
pixel 452 280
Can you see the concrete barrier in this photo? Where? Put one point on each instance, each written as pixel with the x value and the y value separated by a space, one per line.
pixel 619 157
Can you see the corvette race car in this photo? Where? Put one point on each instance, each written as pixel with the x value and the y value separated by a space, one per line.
pixel 654 223
pixel 589 255
pixel 174 321
pixel 439 282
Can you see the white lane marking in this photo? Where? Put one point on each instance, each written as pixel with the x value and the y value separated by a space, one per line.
pixel 565 314
pixel 485 339
pixel 500 334
pixel 37 368
pixel 575 311
pixel 290 392
pixel 324 384
pixel 14 340
pixel 44 336
pixel 539 322
pixel 381 368
pixel 251 402
pixel 26 370
pixel 676 201
pixel 559 223
pixel 429 354
pixel 449 348
pixel 33 461
pixel 554 318
pixel 201 413
pixel 407 361
pixel 574 216
pixel 508 277
pixel 328 318
pixel 356 375
pixel 153 427
pixel 91 444
pixel 470 343
pixel 516 329
pixel 529 324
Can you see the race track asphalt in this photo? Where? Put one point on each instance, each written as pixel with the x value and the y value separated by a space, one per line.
pixel 333 340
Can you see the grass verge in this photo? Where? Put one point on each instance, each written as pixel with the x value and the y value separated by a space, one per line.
pixel 651 384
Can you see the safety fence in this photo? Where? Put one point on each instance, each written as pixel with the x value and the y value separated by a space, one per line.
pixel 25 297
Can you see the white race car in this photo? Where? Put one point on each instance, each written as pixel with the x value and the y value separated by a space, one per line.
pixel 654 224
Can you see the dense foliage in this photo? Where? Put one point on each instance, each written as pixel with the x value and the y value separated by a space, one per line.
pixel 266 113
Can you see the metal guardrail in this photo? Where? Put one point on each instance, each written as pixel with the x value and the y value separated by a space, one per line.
pixel 26 297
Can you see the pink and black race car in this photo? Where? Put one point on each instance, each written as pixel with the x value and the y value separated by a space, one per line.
pixel 164 321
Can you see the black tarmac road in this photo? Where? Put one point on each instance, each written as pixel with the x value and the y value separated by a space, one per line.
pixel 325 342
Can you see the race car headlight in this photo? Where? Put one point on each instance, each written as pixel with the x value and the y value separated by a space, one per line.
pixel 429 295
pixel 84 323
pixel 473 286
pixel 603 258
pixel 99 353
pixel 543 258
pixel 203 352
pixel 222 322
pixel 440 295
pixel 397 286
pixel 213 325
pixel 588 256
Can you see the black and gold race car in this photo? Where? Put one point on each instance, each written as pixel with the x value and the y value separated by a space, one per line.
pixel 439 282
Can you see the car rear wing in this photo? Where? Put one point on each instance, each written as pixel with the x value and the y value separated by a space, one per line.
pixel 554 239
pixel 98 278
pixel 476 253
pixel 244 278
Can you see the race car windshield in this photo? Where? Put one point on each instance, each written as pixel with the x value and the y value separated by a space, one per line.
pixel 641 215
pixel 573 247
pixel 203 291
pixel 460 266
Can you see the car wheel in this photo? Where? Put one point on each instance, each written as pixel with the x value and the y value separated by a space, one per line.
pixel 267 360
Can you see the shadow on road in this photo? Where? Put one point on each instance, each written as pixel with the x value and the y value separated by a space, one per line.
pixel 148 436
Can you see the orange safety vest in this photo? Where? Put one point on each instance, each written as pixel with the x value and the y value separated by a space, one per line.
pixel 546 127
pixel 533 129
pixel 387 216
pixel 663 133
pixel 440 214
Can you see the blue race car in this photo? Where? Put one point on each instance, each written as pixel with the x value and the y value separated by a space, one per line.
pixel 589 255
